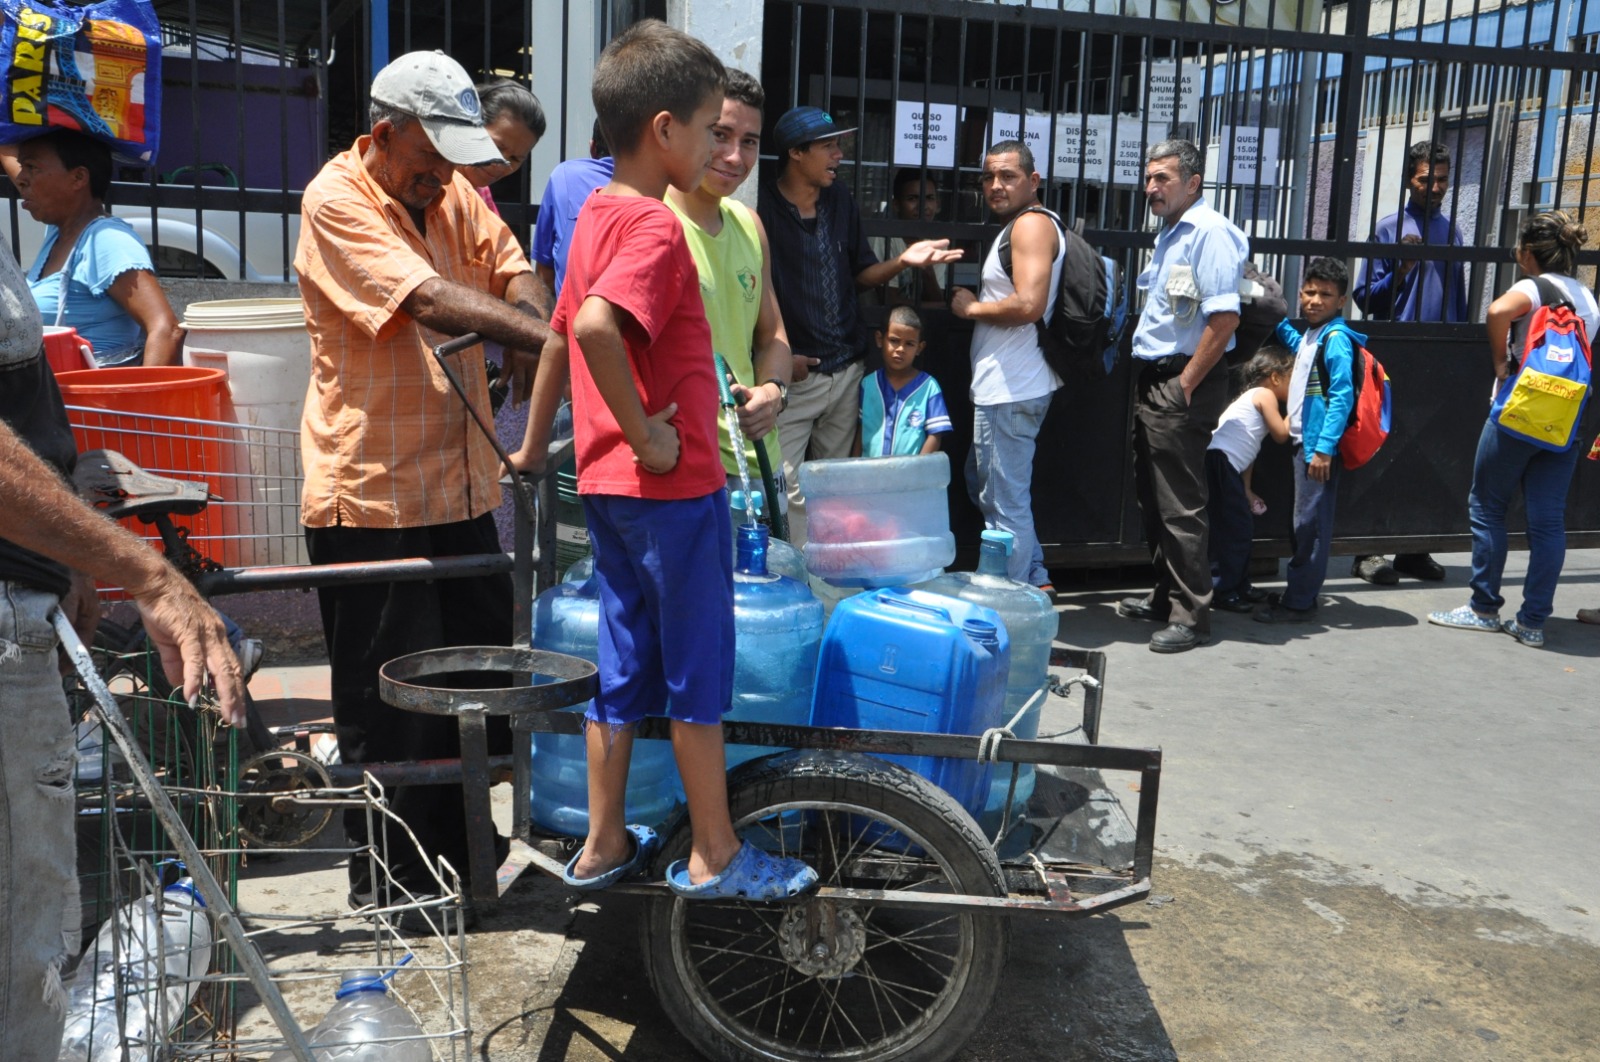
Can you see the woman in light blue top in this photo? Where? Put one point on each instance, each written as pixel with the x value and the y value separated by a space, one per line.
pixel 93 273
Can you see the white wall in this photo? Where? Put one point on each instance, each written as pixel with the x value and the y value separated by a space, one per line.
pixel 732 28
pixel 580 45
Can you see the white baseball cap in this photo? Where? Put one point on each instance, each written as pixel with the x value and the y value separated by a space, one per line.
pixel 433 87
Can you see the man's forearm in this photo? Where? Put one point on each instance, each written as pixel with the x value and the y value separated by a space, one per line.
pixel 456 309
pixel 1213 344
pixel 530 294
pixel 38 512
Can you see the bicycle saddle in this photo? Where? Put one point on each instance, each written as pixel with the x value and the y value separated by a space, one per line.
pixel 119 488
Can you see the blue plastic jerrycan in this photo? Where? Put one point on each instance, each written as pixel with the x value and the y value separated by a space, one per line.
pixel 903 659
pixel 566 619
pixel 1032 623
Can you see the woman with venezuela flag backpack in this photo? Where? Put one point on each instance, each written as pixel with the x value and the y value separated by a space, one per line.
pixel 1531 435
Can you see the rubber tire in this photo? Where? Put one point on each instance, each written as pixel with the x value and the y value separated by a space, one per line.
pixel 874 786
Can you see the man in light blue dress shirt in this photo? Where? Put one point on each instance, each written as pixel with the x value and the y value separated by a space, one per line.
pixel 1191 309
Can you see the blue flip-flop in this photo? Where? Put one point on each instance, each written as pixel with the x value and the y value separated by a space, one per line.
pixel 645 843
pixel 751 875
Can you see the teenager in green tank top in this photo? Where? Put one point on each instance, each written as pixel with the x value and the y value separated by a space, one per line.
pixel 730 251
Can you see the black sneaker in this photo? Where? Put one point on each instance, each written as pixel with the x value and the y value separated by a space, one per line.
pixel 1376 570
pixel 1418 566
pixel 1234 602
pixel 1139 608
pixel 1277 612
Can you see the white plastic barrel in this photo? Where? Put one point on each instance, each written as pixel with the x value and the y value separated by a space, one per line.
pixel 263 347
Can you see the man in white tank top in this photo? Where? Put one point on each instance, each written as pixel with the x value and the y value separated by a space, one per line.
pixel 1011 384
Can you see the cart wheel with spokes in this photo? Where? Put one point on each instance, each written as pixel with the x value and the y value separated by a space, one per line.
pixel 832 979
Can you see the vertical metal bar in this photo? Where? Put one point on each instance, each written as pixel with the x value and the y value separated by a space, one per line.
pixel 283 135
pixel 858 163
pixel 961 112
pixel 378 18
pixel 1350 78
pixel 241 167
pixel 1144 845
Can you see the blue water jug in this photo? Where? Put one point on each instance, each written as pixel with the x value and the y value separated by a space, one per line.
pixel 566 619
pixel 910 660
pixel 777 626
pixel 1031 621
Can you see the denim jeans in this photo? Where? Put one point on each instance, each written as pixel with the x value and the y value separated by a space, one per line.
pixel 1312 533
pixel 1502 464
pixel 1000 479
pixel 39 914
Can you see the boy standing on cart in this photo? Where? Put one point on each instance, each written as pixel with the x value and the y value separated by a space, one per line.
pixel 398 253
pixel 644 396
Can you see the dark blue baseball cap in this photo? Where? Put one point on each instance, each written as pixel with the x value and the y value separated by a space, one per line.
pixel 802 125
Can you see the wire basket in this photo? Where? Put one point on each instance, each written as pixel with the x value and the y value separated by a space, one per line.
pixel 161 999
pixel 254 475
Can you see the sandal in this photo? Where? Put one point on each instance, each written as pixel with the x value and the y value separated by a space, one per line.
pixel 750 875
pixel 645 843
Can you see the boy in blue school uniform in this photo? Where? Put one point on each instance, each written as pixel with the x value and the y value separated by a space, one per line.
pixel 902 408
pixel 1319 410
pixel 631 324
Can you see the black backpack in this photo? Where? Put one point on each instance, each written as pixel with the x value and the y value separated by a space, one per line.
pixel 1079 339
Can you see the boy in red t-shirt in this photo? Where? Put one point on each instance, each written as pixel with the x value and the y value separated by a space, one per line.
pixel 644 396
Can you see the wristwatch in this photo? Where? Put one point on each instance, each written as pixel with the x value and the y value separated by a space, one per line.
pixel 783 392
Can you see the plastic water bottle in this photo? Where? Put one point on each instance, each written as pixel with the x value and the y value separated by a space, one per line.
pixel 566 619
pixel 148 958
pixel 365 1024
pixel 1031 621
pixel 777 624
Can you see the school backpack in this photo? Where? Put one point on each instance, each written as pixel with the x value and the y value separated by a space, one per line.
pixel 1080 338
pixel 1542 399
pixel 1370 408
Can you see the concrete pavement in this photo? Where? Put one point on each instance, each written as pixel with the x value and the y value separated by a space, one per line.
pixel 1376 840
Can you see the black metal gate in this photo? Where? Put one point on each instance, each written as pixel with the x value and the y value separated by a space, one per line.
pixel 1305 112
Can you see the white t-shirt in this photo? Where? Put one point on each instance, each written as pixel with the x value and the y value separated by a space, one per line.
pixel 1305 359
pixel 1240 430
pixel 1581 297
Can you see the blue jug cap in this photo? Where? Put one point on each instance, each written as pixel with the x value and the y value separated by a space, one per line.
pixel 1004 539
pixel 740 501
pixel 982 631
pixel 363 981
pixel 186 887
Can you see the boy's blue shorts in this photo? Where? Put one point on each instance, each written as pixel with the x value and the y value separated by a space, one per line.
pixel 665 575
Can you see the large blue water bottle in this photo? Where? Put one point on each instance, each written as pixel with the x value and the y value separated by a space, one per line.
pixel 566 619
pixel 910 660
pixel 1031 621
pixel 777 624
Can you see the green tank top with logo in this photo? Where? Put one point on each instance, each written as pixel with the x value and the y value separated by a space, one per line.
pixel 730 285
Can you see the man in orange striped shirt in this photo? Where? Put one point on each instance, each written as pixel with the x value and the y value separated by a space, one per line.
pixel 396 255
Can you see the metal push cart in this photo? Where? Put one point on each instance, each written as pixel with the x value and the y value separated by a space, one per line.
pixel 899 951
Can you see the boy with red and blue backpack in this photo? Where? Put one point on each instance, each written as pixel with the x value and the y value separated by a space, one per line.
pixel 1321 399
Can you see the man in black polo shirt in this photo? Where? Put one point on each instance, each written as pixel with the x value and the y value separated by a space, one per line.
pixel 44 531
pixel 820 260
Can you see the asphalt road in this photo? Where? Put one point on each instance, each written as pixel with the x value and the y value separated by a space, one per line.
pixel 1376 841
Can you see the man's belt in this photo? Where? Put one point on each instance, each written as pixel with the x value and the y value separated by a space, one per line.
pixel 1171 365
